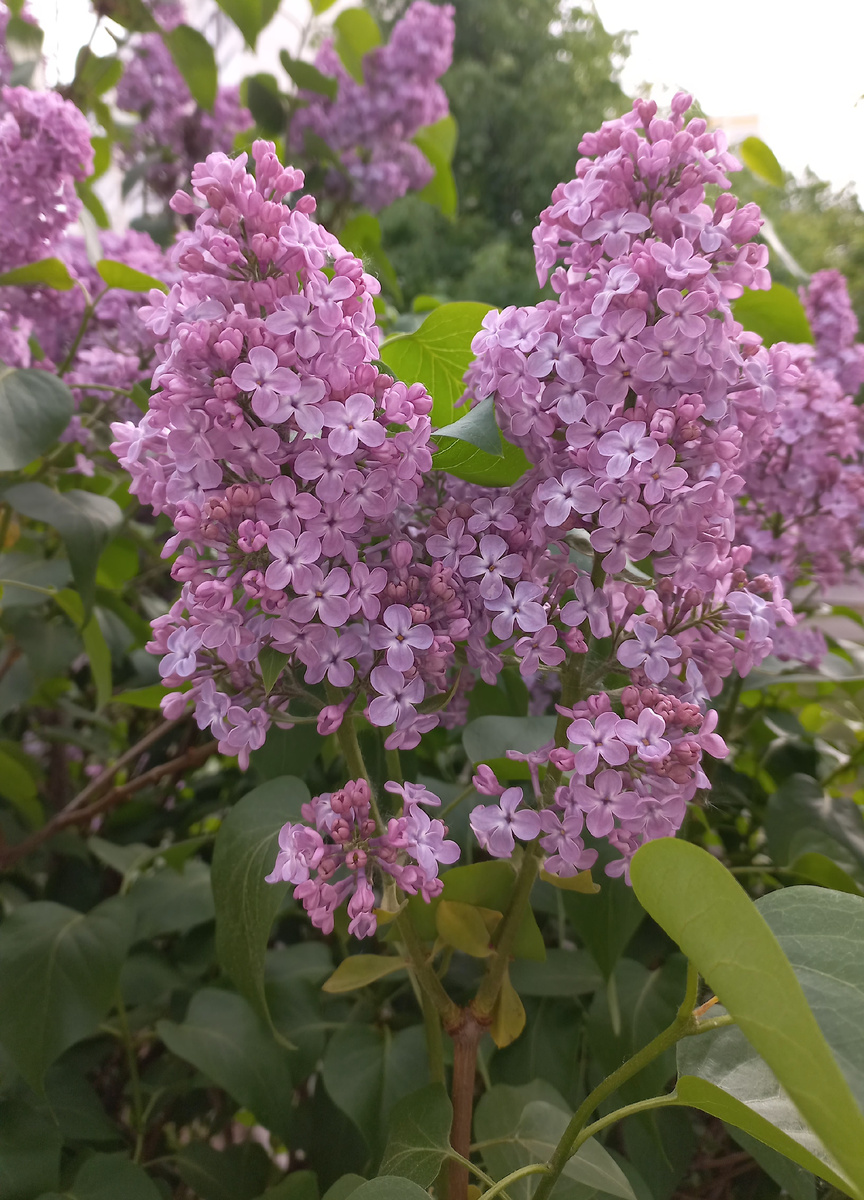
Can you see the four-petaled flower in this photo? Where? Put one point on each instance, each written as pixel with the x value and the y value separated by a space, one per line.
pixel 400 637
pixel 649 650
pixel 497 825
pixel 267 381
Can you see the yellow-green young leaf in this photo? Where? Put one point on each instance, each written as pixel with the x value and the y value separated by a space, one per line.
pixel 508 1016
pixel 702 907
pixel 582 882
pixel 777 315
pixel 762 161
pixel 99 657
pixel 18 786
pixel 194 59
pixel 438 354
pixel 463 927
pixel 359 971
pixel 356 33
pixel 49 272
pixel 118 275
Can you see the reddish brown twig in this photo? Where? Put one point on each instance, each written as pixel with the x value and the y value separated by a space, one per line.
pixel 101 782
pixel 75 813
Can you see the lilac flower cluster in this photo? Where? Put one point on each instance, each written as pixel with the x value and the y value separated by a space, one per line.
pixel 835 328
pixel 44 148
pixel 350 853
pixel 173 133
pixel 371 124
pixel 292 467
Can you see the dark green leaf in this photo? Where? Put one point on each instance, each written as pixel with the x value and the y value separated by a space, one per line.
pixel 35 408
pixel 438 354
pixel 109 1177
pixel 606 921
pixel 271 663
pixel 84 520
pixel 246 905
pixel 144 697
pixel 309 78
pixel 762 161
pixel 118 275
pixel 540 1128
pixel 29 1152
pixel 193 56
pixel 477 427
pixel 388 1187
pixel 361 234
pixel 224 1038
pixel 477 466
pixel 299 1185
pixel 262 97
pixel 418 1139
pixel 355 34
pixel 777 315
pixel 131 14
pixel 58 976
pixel 487 740
pixel 50 574
pixel 437 143
pixel 792 1179
pixel 801 819
pixel 347 1185
pixel 99 658
pixel 168 901
pixel 49 272
pixel 235 1173
pixel 495 1120
pixel 692 896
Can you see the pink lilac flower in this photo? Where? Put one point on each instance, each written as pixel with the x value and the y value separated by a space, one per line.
pixel 650 651
pixel 497 825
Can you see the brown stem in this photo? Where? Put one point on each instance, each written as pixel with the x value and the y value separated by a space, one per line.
pixel 74 815
pixel 466 1040
pixel 101 782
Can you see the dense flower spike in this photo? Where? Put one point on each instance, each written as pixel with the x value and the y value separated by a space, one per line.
pixel 351 857
pixel 835 328
pixel 173 133
pixel 371 124
pixel 44 148
pixel 639 400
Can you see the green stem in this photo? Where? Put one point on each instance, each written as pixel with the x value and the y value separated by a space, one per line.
pixel 27 587
pixel 463 795
pixel 134 1079
pixel 629 1110
pixel 87 316
pixel 394 766
pixel 727 716
pixel 434 1038
pixel 684 1025
pixel 425 973
pixel 514 1176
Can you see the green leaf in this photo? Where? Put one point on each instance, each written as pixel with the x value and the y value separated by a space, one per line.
pixel 309 78
pixel 30 1145
pixel 235 1173
pixel 388 1187
pixel 49 574
pixel 250 16
pixel 271 664
pixel 246 905
pixel 261 95
pixel 437 143
pixel 777 315
pixel 477 466
pixel 344 1187
pixel 478 428
pixel 792 1179
pixel 118 275
pixel 564 973
pixel 99 658
pixel 194 59
pixel 35 408
pixel 361 234
pixel 224 1038
pixel 822 870
pixel 359 970
pixel 18 786
pixel 487 740
pixel 418 1139
pixel 802 820
pixel 84 520
pixel 93 204
pixel 320 6
pixel 355 34
pixel 542 1126
pixel 607 921
pixel 50 272
pixel 699 904
pixel 462 926
pixel 169 901
pixel 488 885
pixel 133 15
pixel 144 697
pixel 762 161
pixel 58 976
pixel 366 1071
pixel 299 1185
pixel 108 1177
pixel 438 354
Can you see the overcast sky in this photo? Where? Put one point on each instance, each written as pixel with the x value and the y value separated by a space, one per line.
pixel 796 67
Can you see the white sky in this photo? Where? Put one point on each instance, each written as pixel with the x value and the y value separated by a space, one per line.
pixel 795 65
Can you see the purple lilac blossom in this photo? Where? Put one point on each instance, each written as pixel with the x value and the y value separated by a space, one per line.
pixel 371 124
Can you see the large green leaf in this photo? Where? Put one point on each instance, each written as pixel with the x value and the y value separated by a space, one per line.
pixel 564 973
pixel 109 1177
pixel 388 1187
pixel 58 976
pixel 235 1173
pixel 438 142
pixel 487 740
pixel 168 901
pixel 366 1071
pixel 801 819
pixel 699 904
pixel 40 573
pixel 762 161
pixel 246 905
pixel 605 922
pixel 194 59
pixel 85 521
pixel 777 315
pixel 539 1131
pixel 438 354
pixel 309 78
pixel 49 272
pixel 250 16
pixel 119 275
pixel 30 1145
pixel 477 428
pixel 418 1140
pixel 35 408
pixel 225 1039
pixel 355 34
pixel 465 461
